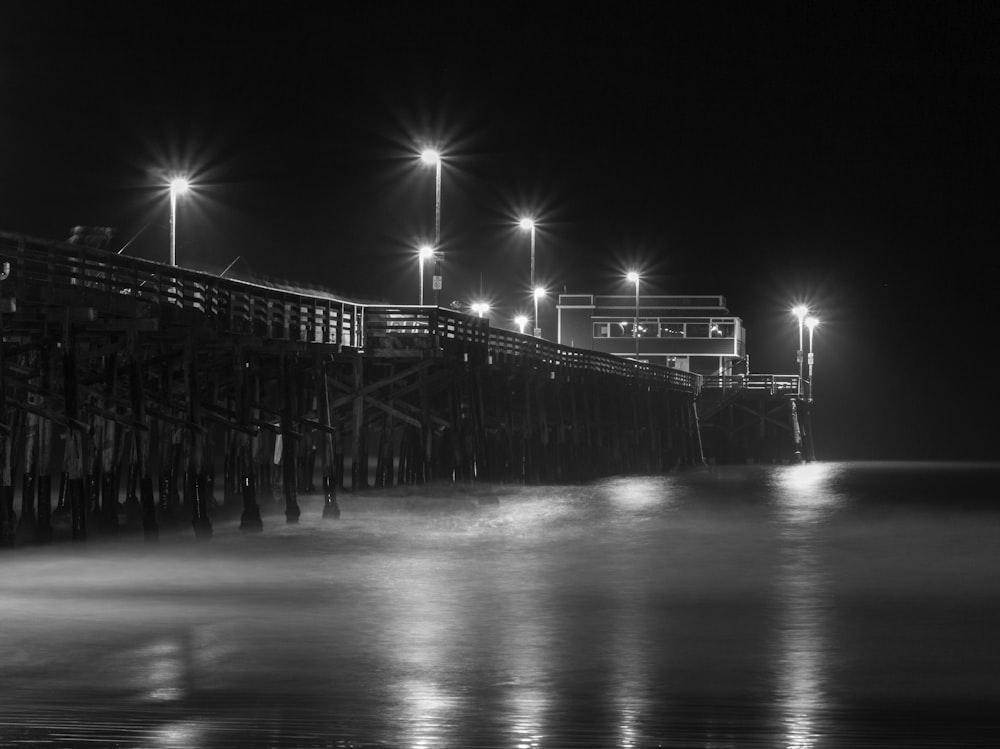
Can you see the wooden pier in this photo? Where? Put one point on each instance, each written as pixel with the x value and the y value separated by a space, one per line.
pixel 126 378
pixel 762 418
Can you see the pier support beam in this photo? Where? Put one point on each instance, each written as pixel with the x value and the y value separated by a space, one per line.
pixel 331 509
pixel 196 458
pixel 27 524
pixel 140 450
pixel 245 445
pixel 289 442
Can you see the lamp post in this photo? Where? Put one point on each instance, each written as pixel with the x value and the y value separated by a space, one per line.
pixel 633 277
pixel 528 224
pixel 800 312
pixel 432 157
pixel 425 252
pixel 811 323
pixel 538 293
pixel 521 321
pixel 178 186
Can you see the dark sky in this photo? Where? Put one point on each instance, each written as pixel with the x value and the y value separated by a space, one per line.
pixel 841 154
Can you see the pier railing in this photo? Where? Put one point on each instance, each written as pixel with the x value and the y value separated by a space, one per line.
pixel 45 272
pixel 773 383
pixel 436 329
pixel 49 273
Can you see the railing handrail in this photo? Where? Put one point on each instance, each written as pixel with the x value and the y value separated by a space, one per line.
pixel 458 327
pixel 85 274
pixel 772 382
pixel 107 259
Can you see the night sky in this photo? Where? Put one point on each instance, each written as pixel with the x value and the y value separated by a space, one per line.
pixel 838 154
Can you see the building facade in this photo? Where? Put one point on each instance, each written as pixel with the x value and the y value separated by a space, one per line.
pixel 693 333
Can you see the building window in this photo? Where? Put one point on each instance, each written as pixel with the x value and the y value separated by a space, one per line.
pixel 649 327
pixel 722 330
pixel 671 330
pixel 660 327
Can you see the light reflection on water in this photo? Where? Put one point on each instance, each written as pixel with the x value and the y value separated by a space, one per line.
pixel 804 500
pixel 810 606
pixel 178 735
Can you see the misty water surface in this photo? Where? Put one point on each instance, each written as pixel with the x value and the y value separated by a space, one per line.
pixel 819 605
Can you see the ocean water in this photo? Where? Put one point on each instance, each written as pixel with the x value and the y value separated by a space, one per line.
pixel 815 605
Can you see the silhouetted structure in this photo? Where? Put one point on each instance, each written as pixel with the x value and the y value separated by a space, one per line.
pixel 153 370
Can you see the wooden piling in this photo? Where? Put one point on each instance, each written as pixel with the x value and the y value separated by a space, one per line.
pixel 74 452
pixel 141 449
pixel 329 481
pixel 27 522
pixel 357 426
pixel 289 439
pixel 43 527
pixel 106 448
pixel 196 434
pixel 244 443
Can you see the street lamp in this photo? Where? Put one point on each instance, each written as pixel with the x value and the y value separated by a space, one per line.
pixel 633 277
pixel 811 323
pixel 432 157
pixel 528 224
pixel 538 293
pixel 521 321
pixel 178 186
pixel 800 312
pixel 480 308
pixel 424 252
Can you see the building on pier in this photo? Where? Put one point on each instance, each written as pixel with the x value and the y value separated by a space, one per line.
pixel 742 416
pixel 692 333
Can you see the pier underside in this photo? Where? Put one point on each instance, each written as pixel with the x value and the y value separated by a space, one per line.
pixel 743 425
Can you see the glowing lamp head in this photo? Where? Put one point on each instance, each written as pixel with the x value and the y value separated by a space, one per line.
pixel 426 252
pixel 526 223
pixel 430 156
pixel 800 312
pixel 521 321
pixel 632 277
pixel 179 186
pixel 811 322
pixel 539 292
